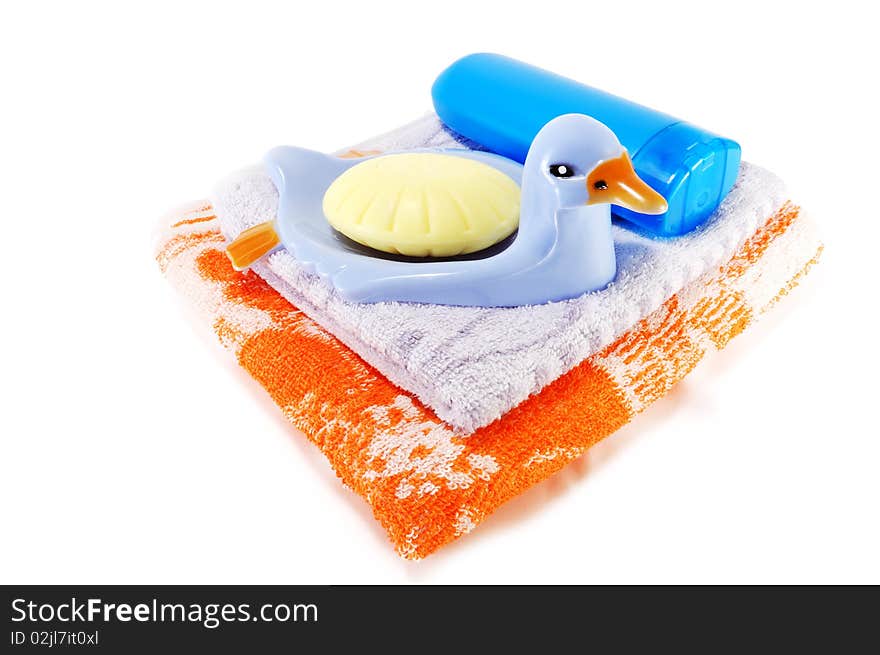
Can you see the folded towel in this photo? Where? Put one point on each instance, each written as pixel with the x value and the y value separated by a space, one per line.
pixel 426 482
pixel 472 365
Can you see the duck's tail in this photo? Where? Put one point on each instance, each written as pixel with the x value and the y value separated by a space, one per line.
pixel 252 244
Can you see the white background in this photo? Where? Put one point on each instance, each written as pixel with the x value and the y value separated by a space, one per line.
pixel 135 451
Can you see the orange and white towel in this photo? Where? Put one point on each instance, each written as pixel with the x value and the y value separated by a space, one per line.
pixel 427 482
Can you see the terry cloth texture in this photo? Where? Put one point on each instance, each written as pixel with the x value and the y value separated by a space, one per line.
pixel 472 365
pixel 426 482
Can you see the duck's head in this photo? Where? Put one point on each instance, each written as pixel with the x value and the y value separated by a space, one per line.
pixel 582 162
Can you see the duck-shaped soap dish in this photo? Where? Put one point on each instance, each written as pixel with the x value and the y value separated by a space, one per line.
pixel 456 227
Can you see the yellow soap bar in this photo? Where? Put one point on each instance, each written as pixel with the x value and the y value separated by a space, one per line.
pixel 423 204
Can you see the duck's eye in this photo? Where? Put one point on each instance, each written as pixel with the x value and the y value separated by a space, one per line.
pixel 561 170
pixel 600 185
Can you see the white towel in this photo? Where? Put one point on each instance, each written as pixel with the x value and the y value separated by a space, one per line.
pixel 471 365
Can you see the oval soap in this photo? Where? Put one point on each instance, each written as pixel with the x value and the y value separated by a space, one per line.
pixel 423 204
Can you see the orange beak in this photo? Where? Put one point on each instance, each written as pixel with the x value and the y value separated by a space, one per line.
pixel 614 181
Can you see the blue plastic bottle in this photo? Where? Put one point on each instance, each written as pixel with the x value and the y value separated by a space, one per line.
pixel 501 104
